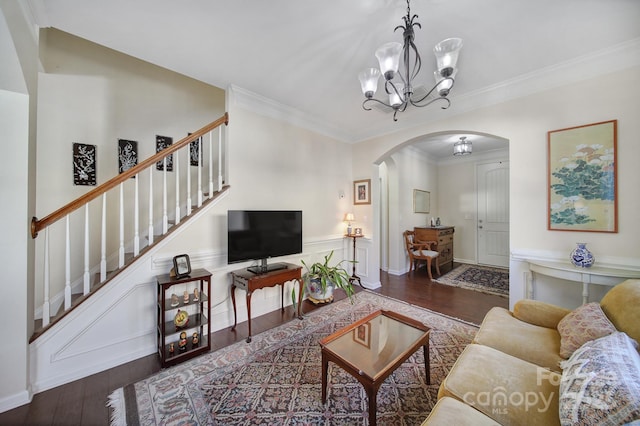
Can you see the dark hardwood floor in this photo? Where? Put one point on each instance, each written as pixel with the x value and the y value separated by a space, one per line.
pixel 83 402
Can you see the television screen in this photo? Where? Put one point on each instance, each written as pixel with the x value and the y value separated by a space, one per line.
pixel 262 234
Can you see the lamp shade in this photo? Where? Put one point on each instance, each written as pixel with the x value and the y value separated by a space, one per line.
pixel 369 81
pixel 395 99
pixel 348 217
pixel 447 55
pixel 444 84
pixel 389 58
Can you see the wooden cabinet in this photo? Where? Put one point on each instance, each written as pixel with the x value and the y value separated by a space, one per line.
pixel 196 303
pixel 443 236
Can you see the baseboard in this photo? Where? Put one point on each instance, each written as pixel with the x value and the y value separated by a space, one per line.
pixel 14 401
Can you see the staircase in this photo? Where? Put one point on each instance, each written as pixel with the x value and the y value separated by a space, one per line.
pixel 110 240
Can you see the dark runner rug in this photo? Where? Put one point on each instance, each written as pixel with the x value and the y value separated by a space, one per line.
pixel 276 379
pixel 479 278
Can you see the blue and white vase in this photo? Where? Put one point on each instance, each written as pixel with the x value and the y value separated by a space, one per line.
pixel 581 256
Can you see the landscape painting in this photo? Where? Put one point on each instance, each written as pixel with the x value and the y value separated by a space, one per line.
pixel 582 177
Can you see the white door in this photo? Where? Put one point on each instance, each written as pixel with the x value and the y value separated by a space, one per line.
pixel 493 214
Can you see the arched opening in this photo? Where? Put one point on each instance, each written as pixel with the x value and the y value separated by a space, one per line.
pixel 427 163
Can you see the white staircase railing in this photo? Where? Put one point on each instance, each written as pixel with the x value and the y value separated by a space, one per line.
pixel 122 232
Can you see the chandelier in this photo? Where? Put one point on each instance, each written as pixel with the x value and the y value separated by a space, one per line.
pixel 462 147
pixel 398 85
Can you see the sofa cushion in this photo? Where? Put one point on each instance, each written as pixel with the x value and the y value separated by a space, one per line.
pixel 600 383
pixel 507 389
pixel 532 343
pixel 584 324
pixel 620 304
pixel 449 411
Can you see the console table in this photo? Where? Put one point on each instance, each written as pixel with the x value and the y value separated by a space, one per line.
pixel 600 275
pixel 353 278
pixel 250 281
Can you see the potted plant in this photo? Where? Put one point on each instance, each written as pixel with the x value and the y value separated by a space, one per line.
pixel 321 279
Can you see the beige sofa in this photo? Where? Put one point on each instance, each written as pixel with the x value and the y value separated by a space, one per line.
pixel 512 373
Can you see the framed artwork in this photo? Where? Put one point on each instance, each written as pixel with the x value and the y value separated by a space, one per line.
pixel 127 155
pixel 362 191
pixel 362 334
pixel 163 142
pixel 84 164
pixel 421 201
pixel 194 151
pixel 181 265
pixel 582 178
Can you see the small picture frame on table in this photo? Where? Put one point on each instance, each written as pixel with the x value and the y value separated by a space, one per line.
pixel 181 266
pixel 358 231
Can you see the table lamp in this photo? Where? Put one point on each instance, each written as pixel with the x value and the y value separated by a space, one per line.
pixel 348 217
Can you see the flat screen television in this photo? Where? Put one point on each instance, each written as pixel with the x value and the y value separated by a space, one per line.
pixel 263 234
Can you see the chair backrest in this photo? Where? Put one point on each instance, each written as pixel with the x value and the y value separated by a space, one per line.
pixel 409 237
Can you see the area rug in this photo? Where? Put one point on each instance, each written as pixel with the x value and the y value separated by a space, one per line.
pixel 479 278
pixel 276 379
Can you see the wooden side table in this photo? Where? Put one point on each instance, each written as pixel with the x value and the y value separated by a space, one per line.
pixel 354 277
pixel 249 282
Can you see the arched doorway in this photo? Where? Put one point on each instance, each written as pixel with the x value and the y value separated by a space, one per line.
pixel 427 163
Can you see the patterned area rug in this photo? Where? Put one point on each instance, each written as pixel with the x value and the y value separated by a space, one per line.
pixel 276 379
pixel 479 278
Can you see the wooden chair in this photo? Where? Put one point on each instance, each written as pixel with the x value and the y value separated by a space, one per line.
pixel 420 250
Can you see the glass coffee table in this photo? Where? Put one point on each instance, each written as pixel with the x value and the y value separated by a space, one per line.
pixel 372 348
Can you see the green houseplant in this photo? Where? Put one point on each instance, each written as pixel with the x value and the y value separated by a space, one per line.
pixel 320 279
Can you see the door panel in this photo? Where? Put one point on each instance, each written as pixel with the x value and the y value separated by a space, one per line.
pixel 493 214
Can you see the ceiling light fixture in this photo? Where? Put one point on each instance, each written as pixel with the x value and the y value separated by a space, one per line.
pixel 462 147
pixel 400 90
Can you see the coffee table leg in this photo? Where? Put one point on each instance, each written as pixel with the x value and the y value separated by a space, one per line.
pixel 372 394
pixel 325 366
pixel 427 363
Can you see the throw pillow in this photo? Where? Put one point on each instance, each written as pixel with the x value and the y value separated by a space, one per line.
pixel 582 325
pixel 600 383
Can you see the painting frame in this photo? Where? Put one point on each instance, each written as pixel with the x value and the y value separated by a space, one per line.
pixel 362 334
pixel 582 187
pixel 84 161
pixel 421 201
pixel 362 191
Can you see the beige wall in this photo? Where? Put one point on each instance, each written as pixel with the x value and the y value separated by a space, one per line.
pixel 94 95
pixel 525 123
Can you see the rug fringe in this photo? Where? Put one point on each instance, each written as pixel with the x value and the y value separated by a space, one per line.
pixel 118 411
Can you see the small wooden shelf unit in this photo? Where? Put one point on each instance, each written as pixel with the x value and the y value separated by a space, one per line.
pixel 198 310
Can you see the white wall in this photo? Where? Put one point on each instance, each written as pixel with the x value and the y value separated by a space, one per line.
pixel 94 95
pixel 18 88
pixel 525 123
pixel 407 169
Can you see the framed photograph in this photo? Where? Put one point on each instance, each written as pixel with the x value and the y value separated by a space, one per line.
pixel 362 334
pixel 84 164
pixel 421 201
pixel 163 142
pixel 358 231
pixel 582 178
pixel 181 266
pixel 362 191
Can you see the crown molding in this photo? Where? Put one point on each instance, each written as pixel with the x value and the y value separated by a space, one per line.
pixel 612 59
pixel 269 108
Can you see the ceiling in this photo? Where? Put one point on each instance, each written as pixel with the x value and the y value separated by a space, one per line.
pixel 305 54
